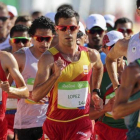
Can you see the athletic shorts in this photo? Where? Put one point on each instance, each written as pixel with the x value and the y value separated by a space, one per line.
pixel 80 129
pixel 29 133
pixel 105 132
pixel 10 122
pixel 3 129
pixel 133 134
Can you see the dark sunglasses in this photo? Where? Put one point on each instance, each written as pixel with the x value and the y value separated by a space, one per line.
pixel 64 28
pixel 95 30
pixel 124 30
pixel 42 38
pixel 17 40
pixel 79 34
pixel 3 18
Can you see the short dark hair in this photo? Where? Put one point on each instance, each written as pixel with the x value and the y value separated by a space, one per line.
pixel 24 18
pixel 64 6
pixel 41 23
pixel 138 3
pixel 122 21
pixel 66 13
pixel 36 13
pixel 18 28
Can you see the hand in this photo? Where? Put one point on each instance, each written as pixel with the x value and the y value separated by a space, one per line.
pixel 98 102
pixel 109 106
pixel 5 86
pixel 58 67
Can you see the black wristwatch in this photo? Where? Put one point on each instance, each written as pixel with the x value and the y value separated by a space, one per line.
pixel 97 90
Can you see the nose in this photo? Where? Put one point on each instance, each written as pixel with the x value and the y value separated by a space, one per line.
pixel 125 34
pixel 20 44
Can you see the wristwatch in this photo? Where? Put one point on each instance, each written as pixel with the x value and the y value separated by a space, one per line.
pixel 97 90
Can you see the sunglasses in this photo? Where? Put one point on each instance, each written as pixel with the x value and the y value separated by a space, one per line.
pixel 42 38
pixel 95 30
pixel 16 40
pixel 64 28
pixel 79 34
pixel 3 18
pixel 124 30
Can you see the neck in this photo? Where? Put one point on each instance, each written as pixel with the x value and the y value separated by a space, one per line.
pixel 67 50
pixel 3 36
pixel 37 54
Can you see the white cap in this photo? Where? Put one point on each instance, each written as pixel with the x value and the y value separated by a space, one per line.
pixel 112 37
pixel 12 9
pixel 82 28
pixel 96 20
pixel 51 15
pixel 109 19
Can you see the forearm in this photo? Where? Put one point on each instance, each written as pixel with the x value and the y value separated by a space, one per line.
pixel 112 71
pixel 124 109
pixel 40 91
pixel 97 78
pixel 21 92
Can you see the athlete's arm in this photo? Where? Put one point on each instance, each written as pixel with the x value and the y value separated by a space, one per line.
pixel 120 49
pixel 10 64
pixel 44 81
pixel 121 106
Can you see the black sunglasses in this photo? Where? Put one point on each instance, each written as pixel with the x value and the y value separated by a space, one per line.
pixel 79 34
pixel 3 18
pixel 95 30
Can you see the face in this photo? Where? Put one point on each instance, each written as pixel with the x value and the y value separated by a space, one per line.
pixel 46 36
pixel 68 37
pixel 81 38
pixel 27 24
pixel 95 36
pixel 11 22
pixel 17 46
pixel 3 23
pixel 125 28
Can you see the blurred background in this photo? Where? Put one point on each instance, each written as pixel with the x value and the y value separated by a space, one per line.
pixel 118 8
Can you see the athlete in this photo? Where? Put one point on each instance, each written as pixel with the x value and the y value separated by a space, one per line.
pixel 64 74
pixel 128 98
pixel 106 128
pixel 8 65
pixel 30 116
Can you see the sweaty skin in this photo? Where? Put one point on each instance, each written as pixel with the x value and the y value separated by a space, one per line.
pixel 128 87
pixel 9 65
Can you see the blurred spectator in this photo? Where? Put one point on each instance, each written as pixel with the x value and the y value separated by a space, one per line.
pixel 109 22
pixel 36 14
pixel 13 16
pixel 24 20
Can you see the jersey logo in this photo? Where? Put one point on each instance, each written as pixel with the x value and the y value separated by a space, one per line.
pixel 85 69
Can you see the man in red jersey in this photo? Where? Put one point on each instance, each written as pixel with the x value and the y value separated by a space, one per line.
pixel 8 65
pixel 64 74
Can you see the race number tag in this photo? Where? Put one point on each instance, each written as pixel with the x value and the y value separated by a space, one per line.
pixel 11 104
pixel 72 95
pixel 108 97
pixel 0 96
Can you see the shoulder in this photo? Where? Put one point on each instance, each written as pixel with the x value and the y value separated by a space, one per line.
pixel 20 53
pixel 93 55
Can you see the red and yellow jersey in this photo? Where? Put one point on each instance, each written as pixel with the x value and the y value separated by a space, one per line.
pixel 3 95
pixel 69 99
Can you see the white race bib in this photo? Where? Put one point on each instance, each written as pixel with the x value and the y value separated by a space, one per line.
pixel 11 104
pixel 108 97
pixel 72 95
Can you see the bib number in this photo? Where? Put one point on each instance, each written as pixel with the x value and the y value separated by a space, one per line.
pixel 72 95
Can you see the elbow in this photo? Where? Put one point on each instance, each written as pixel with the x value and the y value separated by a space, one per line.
pixel 116 114
pixel 34 97
pixel 92 116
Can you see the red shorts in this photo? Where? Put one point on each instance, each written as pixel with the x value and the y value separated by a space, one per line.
pixel 3 129
pixel 80 129
pixel 10 122
pixel 105 132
